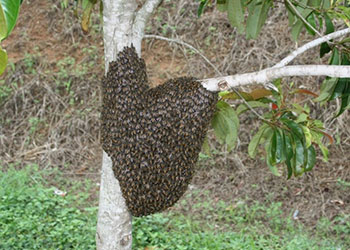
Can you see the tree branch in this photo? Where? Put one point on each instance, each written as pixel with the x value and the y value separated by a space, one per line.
pixel 141 19
pixel 187 45
pixel 310 45
pixel 267 75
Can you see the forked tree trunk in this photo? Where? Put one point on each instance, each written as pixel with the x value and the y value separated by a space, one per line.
pixel 122 25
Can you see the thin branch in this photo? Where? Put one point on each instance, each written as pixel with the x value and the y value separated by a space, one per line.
pixel 267 75
pixel 187 45
pixel 305 6
pixel 147 9
pixel 310 45
pixel 142 17
pixel 207 60
pixel 302 18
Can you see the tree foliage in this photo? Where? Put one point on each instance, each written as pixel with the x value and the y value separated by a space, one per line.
pixel 288 132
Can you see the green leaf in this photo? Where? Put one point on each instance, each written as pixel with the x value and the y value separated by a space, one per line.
pixel 311 158
pixel 335 57
pixel 324 49
pixel 201 7
pixel 301 118
pixel 273 148
pixel 256 140
pixel 10 10
pixel 326 4
pixel 271 154
pixel 236 14
pixel 314 3
pixel 317 138
pixel 299 155
pixel 339 88
pixel 257 17
pixel 3 60
pixel 345 95
pixel 327 89
pixel 254 104
pixel 3 26
pixel 324 151
pixel 273 168
pixel 296 29
pixel 84 3
pixel 308 136
pixel 221 5
pixel 280 156
pixel 291 17
pixel 294 127
pixel 299 24
pixel 226 124
pixel 311 20
pixel 344 59
pixel 288 144
pixel 329 24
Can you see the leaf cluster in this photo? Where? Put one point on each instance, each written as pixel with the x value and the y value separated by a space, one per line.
pixel 333 88
pixel 288 132
pixel 9 10
pixel 249 16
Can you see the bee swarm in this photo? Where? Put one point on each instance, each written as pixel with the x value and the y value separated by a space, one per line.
pixel 153 135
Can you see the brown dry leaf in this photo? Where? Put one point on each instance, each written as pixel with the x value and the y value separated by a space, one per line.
pixel 260 93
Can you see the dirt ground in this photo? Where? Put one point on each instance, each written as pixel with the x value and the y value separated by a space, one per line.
pixel 55 125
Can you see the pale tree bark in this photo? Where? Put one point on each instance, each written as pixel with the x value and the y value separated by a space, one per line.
pixel 122 25
pixel 270 74
pixel 281 70
pixel 310 45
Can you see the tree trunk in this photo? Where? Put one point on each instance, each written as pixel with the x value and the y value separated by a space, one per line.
pixel 122 25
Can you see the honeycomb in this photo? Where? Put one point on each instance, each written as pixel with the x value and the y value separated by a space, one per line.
pixel 153 135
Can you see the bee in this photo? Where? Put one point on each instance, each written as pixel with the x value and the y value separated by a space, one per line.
pixel 153 135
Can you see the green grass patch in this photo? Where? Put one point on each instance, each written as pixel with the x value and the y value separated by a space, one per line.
pixel 223 226
pixel 32 216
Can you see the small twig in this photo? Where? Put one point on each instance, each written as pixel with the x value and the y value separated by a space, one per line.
pixel 249 107
pixel 305 6
pixel 187 45
pixel 302 18
pixel 310 45
pixel 207 60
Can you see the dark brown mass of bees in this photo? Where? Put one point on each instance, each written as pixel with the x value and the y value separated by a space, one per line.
pixel 153 135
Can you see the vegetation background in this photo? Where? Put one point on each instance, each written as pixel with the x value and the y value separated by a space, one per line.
pixel 49 140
